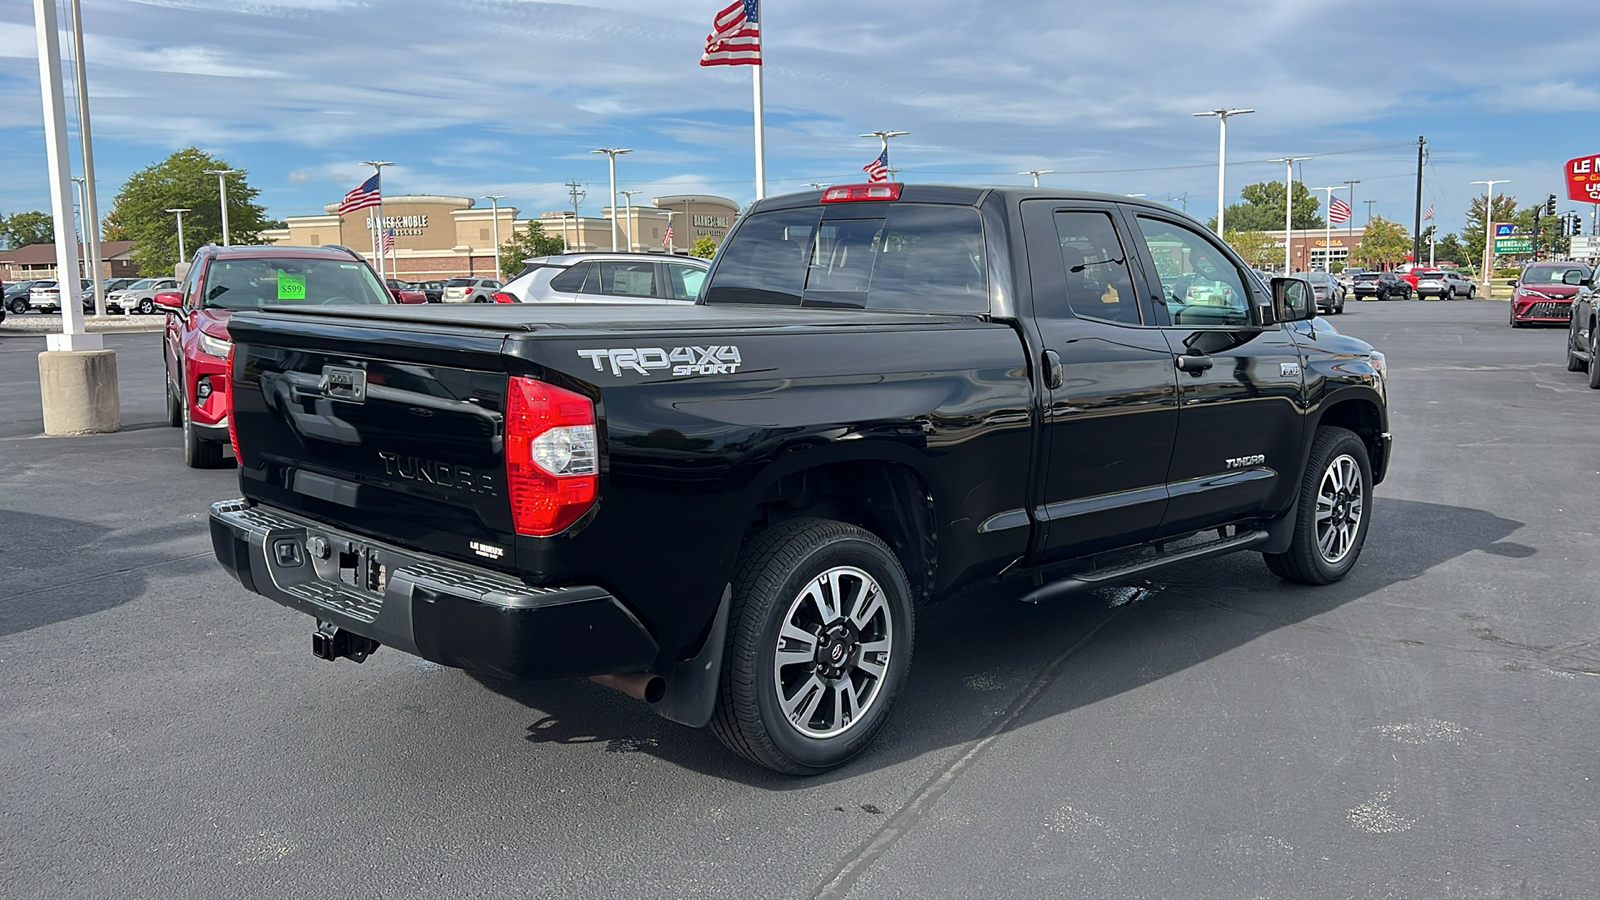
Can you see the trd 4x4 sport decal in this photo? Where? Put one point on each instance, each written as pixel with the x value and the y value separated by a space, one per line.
pixel 680 360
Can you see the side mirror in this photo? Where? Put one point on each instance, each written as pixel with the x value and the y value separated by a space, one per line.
pixel 1573 276
pixel 1291 301
pixel 171 301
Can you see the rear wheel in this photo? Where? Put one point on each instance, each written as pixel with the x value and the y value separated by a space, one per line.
pixel 1594 357
pixel 1333 513
pixel 819 643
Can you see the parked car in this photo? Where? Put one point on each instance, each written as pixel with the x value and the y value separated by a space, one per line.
pixel 1543 293
pixel 730 509
pixel 15 298
pixel 607 278
pixel 432 290
pixel 404 291
pixel 45 296
pixel 1583 327
pixel 1380 286
pixel 469 290
pixel 1347 277
pixel 1328 291
pixel 221 281
pixel 140 296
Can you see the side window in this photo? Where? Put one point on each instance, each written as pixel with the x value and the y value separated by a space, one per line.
pixel 1199 284
pixel 571 281
pixel 628 279
pixel 686 280
pixel 191 284
pixel 765 260
pixel 1098 283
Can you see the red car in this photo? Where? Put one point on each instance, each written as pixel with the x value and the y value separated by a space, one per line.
pixel 220 281
pixel 404 291
pixel 1541 296
pixel 1408 273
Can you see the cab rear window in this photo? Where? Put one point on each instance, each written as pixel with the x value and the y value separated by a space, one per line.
pixel 915 257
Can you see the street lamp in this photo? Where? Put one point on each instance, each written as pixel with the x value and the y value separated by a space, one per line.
pixel 627 198
pixel 611 157
pixel 494 203
pixel 1488 232
pixel 182 256
pixel 222 191
pixel 1288 209
pixel 1222 157
pixel 883 137
pixel 377 229
pixel 1036 173
pixel 817 185
pixel 82 228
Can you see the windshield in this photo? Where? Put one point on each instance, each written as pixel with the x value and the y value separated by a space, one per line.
pixel 1551 274
pixel 254 283
pixel 1318 277
pixel 143 284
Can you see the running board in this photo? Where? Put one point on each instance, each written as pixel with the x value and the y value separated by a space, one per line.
pixel 1099 577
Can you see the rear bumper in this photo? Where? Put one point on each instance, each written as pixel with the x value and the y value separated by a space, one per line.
pixel 447 612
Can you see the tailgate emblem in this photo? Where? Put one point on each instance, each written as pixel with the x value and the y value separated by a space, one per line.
pixel 344 383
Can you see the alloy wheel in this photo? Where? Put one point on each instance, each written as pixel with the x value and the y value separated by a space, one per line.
pixel 833 652
pixel 1341 502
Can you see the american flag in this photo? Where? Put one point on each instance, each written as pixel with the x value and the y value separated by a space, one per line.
pixel 878 169
pixel 735 38
pixel 362 197
pixel 388 240
pixel 1429 213
pixel 666 239
pixel 1338 212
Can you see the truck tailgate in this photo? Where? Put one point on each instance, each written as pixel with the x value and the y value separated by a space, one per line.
pixel 378 427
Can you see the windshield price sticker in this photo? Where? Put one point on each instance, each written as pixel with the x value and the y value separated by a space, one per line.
pixel 291 286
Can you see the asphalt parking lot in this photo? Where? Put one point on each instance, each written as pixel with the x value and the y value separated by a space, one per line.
pixel 1425 728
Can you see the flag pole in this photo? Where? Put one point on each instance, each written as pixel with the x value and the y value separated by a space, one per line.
pixel 761 128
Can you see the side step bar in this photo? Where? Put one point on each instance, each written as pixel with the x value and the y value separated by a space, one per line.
pixel 1098 577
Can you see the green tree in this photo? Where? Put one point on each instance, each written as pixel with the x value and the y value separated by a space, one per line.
pixel 24 228
pixel 1262 209
pixel 527 245
pixel 1505 210
pixel 1255 247
pixel 1450 249
pixel 704 247
pixel 1385 242
pixel 139 212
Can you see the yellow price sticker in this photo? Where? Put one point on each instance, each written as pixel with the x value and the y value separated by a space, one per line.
pixel 291 286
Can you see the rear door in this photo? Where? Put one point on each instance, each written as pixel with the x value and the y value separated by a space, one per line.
pixel 1239 386
pixel 1111 407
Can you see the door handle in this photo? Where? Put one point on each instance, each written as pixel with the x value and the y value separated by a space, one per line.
pixel 1055 374
pixel 1194 364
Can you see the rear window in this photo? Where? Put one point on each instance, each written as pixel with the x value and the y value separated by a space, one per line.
pixel 1367 276
pixel 916 256
pixel 1432 273
pixel 460 282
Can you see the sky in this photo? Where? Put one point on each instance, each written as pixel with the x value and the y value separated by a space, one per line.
pixel 475 97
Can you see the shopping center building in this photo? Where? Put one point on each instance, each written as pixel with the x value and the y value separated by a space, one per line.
pixel 439 237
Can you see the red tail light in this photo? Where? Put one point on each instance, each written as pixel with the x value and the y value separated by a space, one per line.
pixel 882 190
pixel 503 297
pixel 227 394
pixel 552 459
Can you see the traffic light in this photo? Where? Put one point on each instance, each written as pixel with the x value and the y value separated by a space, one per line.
pixel 1577 225
pixel 1550 206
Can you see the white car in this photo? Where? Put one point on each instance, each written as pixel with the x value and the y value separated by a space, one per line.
pixel 140 296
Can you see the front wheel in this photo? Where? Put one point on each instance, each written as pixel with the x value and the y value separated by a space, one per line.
pixel 1331 520
pixel 1472 292
pixel 819 644
pixel 1594 357
pixel 198 453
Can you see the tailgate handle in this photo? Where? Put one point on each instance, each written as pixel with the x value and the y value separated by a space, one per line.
pixel 1055 374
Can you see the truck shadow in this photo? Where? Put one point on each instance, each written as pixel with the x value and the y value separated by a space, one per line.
pixel 979 653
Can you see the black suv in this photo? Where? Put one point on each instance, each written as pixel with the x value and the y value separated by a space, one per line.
pixel 1381 286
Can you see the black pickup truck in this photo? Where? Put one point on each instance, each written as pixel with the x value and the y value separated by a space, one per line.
pixel 885 393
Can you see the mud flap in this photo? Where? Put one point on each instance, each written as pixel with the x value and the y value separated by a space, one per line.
pixel 692 686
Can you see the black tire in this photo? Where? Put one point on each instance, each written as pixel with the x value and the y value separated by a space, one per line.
pixel 198 453
pixel 19 306
pixel 1472 292
pixel 1337 457
pixel 147 306
pixel 174 405
pixel 777 571
pixel 1450 294
pixel 1574 364
pixel 1594 358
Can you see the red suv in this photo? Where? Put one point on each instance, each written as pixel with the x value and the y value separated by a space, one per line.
pixel 220 281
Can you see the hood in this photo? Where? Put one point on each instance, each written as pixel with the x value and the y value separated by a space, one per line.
pixel 214 322
pixel 1551 290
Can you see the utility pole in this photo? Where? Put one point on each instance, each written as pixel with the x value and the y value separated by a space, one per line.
pixel 1416 233
pixel 377 232
pixel 494 203
pixel 611 155
pixel 577 193
pixel 91 206
pixel 1369 209
pixel 1036 173
pixel 627 199
pixel 1288 210
pixel 1488 233
pixel 222 192
pixel 182 256
pixel 1222 159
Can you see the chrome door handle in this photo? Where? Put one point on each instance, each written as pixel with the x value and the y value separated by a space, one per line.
pixel 1193 364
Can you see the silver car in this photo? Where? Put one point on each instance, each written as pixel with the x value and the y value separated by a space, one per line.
pixel 609 278
pixel 1446 284
pixel 470 290
pixel 1329 292
pixel 140 296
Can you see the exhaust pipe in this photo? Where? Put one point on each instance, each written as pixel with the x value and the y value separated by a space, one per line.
pixel 638 685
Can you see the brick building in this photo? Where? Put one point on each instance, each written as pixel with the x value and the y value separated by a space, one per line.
pixel 38 261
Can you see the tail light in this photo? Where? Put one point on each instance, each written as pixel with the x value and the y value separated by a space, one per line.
pixel 503 297
pixel 552 460
pixel 871 191
pixel 227 394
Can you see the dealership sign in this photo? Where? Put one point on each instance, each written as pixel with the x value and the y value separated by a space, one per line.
pixel 1583 179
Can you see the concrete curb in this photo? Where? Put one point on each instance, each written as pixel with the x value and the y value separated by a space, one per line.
pixel 35 324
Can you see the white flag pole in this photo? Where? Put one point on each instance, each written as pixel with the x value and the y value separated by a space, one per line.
pixel 761 127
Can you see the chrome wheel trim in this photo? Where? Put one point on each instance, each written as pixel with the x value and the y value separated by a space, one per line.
pixel 1341 502
pixel 833 652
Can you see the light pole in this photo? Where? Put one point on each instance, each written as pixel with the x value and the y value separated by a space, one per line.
pixel 1327 233
pixel 883 138
pixel 1036 173
pixel 182 256
pixel 377 230
pixel 611 157
pixel 1350 224
pixel 82 227
pixel 1222 158
pixel 817 185
pixel 494 204
pixel 1183 196
pixel 91 204
pixel 627 199
pixel 1288 209
pixel 1488 233
pixel 222 191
